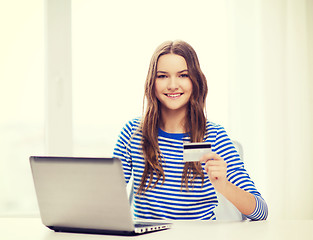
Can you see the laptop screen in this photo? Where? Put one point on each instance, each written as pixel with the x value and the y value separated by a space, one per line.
pixel 82 193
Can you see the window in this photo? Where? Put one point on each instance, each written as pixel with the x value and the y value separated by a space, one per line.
pixel 21 102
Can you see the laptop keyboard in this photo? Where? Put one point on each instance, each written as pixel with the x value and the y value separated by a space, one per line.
pixel 147 224
pixel 141 225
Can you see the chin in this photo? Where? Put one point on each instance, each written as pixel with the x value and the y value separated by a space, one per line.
pixel 175 108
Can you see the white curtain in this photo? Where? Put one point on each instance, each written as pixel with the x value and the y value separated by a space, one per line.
pixel 270 99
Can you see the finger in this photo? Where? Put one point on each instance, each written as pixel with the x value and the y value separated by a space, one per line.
pixel 217 167
pixel 215 175
pixel 209 156
pixel 220 163
pixel 217 171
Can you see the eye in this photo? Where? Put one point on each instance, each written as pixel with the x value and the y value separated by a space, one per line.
pixel 184 75
pixel 161 76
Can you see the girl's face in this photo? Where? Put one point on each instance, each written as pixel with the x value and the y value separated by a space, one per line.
pixel 173 86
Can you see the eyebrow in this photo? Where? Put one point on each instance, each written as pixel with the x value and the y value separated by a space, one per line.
pixel 185 70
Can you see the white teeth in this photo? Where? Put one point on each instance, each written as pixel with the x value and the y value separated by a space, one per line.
pixel 173 95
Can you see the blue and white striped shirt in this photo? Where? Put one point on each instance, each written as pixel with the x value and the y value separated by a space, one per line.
pixel 169 200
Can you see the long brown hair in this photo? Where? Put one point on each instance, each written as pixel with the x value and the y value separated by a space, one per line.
pixel 195 122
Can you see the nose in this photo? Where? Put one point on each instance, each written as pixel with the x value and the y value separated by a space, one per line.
pixel 173 83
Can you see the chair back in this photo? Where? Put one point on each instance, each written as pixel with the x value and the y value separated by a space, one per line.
pixel 226 211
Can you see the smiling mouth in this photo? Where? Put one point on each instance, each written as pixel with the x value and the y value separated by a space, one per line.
pixel 173 95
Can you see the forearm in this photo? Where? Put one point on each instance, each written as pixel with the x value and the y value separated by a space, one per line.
pixel 251 205
pixel 244 201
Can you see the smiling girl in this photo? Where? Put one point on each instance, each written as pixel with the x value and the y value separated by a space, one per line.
pixel 151 147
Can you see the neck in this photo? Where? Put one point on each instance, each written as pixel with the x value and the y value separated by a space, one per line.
pixel 173 121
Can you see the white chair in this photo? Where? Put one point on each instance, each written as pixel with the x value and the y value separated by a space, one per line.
pixel 225 211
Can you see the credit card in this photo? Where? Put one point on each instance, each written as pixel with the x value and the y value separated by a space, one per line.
pixel 194 151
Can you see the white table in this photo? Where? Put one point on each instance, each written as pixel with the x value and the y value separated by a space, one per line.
pixel 33 229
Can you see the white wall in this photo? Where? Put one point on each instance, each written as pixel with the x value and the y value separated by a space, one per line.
pixel 256 55
pixel 271 100
pixel 112 46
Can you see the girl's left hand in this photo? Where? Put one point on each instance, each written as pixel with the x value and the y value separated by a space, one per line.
pixel 216 168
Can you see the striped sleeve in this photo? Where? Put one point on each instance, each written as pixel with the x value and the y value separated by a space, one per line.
pixel 261 211
pixel 237 174
pixel 122 149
